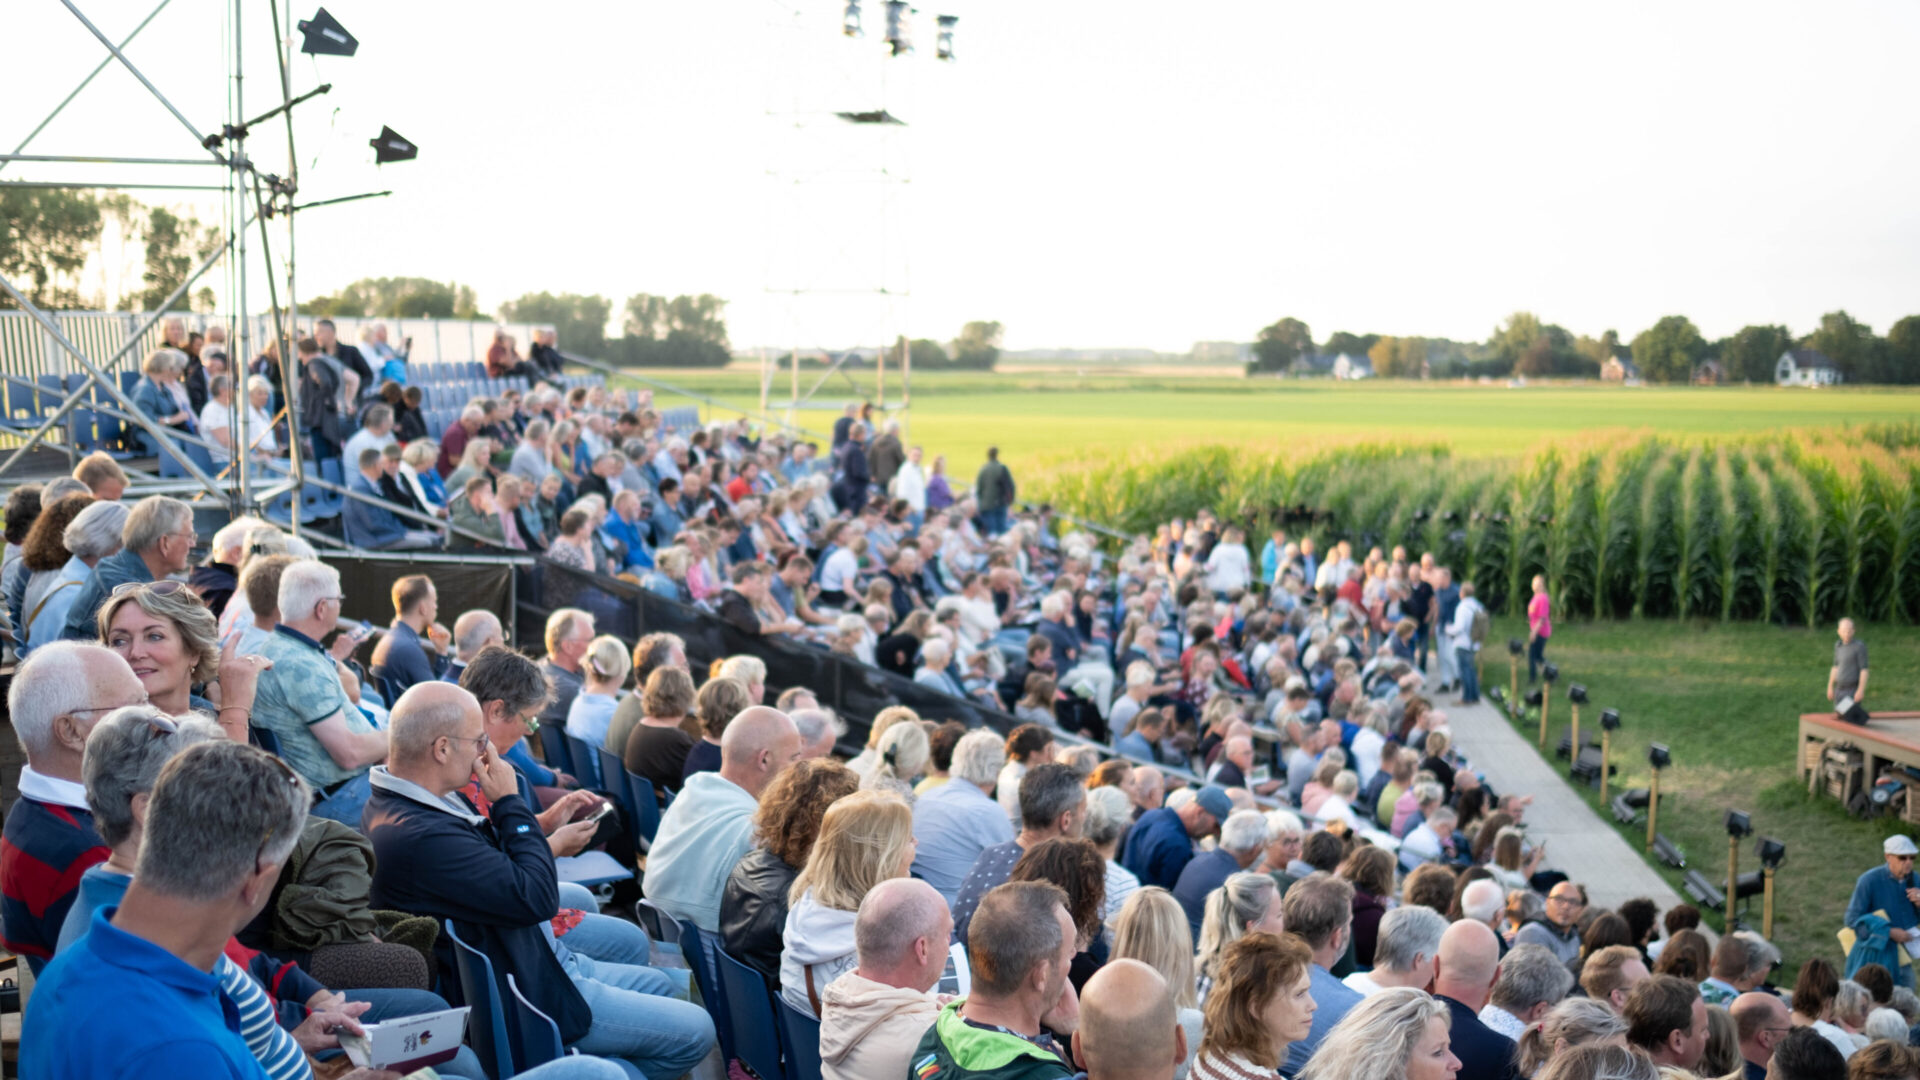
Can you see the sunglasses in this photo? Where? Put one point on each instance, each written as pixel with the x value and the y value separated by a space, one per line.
pixel 163 587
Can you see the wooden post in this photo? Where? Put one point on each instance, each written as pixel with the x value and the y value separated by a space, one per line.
pixel 1546 702
pixel 1576 731
pixel 1733 880
pixel 1514 704
pixel 1606 745
pixel 1653 807
pixel 1766 907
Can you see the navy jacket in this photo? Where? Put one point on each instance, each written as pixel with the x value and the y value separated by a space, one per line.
pixel 1484 1053
pixel 1203 874
pixel 370 525
pixel 401 660
pixel 495 880
pixel 1158 848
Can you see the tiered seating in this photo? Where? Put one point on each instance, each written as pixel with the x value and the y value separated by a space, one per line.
pixel 448 387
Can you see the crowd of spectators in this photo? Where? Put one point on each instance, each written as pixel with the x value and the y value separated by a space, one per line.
pixel 1231 837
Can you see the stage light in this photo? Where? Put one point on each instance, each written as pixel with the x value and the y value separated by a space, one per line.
pixel 1577 694
pixel 1770 851
pixel 1534 696
pixel 1515 646
pixel 1626 805
pixel 1498 694
pixel 850 22
pixel 899 27
pixel 1752 883
pixel 943 43
pixel 1550 672
pixel 1669 852
pixel 390 147
pixel 323 35
pixel 1588 765
pixel 1704 892
pixel 1610 719
pixel 1739 823
pixel 1658 756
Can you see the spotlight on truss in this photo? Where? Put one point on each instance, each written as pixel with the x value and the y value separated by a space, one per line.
pixel 323 35
pixel 899 27
pixel 943 42
pixel 390 146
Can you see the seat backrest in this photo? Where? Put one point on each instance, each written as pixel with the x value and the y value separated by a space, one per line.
pixel 644 807
pixel 699 950
pixel 539 1036
pixel 553 743
pixel 750 1011
pixel 613 781
pixel 487 1022
pixel 265 739
pixel 655 920
pixel 799 1040
pixel 587 758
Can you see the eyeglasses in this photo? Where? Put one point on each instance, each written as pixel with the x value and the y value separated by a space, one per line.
pixel 1573 900
pixel 163 587
pixel 293 781
pixel 479 741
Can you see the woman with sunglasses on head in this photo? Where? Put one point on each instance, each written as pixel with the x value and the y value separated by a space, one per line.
pixel 166 634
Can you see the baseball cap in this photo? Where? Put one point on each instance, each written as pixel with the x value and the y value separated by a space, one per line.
pixel 1213 799
pixel 1899 845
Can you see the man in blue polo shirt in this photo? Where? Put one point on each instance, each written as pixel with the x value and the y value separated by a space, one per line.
pixel 137 995
pixel 1160 844
pixel 402 658
pixel 323 735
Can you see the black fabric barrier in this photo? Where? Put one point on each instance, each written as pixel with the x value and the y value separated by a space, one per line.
pixel 463 584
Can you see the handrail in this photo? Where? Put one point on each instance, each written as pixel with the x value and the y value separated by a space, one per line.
pixel 609 370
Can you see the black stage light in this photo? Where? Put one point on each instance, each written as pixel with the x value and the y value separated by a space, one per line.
pixel 943 43
pixel 1577 694
pixel 1550 672
pixel 1658 756
pixel 1626 805
pixel 1498 694
pixel 1669 852
pixel 390 146
pixel 1704 892
pixel 899 27
pixel 1535 697
pixel 323 35
pixel 1770 851
pixel 1516 646
pixel 1610 719
pixel 1587 765
pixel 1739 823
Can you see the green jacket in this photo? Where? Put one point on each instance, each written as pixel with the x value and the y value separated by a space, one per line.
pixel 467 517
pixel 952 1049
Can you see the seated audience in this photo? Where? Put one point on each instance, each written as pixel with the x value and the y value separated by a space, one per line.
pixel 1261 1007
pixel 1052 802
pixel 1559 930
pixel 369 520
pixel 1395 1034
pixel 959 820
pixel 1245 903
pixel 92 535
pixel 1128 1027
pixel 872 1017
pixel 1151 928
pixel 1319 911
pixel 1370 870
pixel 604 672
pixel 903 759
pixel 1531 983
pixel 407 655
pixel 1611 974
pixel 1005 1028
pixel 865 838
pixel 1667 1020
pixel 658 744
pixel 1243 837
pixel 1160 844
pixel 1573 1023
pixel 156 542
pixel 1462 983
pixel 755 902
pixel 719 700
pixel 1406 951
pixel 1762 1021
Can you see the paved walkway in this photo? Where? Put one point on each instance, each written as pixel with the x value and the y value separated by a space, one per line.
pixel 1579 843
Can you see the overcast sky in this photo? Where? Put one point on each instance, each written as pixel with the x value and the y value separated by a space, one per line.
pixel 1089 174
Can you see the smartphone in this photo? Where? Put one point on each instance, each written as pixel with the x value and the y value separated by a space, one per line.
pixel 605 809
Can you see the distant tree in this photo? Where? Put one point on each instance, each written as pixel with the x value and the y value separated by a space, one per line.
pixel 1903 351
pixel 176 243
pixel 1849 343
pixel 397 298
pixel 1399 357
pixel 1276 347
pixel 580 321
pixel 1598 350
pixel 45 237
pixel 1668 350
pixel 978 346
pixel 1513 337
pixel 927 354
pixel 1351 344
pixel 680 331
pixel 1750 355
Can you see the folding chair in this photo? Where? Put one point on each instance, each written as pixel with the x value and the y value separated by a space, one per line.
pixel 800 1039
pixel 487 1023
pixel 750 1010
pixel 539 1035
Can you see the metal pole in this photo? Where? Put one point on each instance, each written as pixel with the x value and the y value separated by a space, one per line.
pixel 236 180
pixel 1733 880
pixel 1606 748
pixel 98 68
pixel 151 89
pixel 1653 807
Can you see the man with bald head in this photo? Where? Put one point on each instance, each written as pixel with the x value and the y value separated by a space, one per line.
pixel 1463 979
pixel 872 1017
pixel 57 695
pixel 1762 1020
pixel 1129 1028
pixel 493 875
pixel 710 824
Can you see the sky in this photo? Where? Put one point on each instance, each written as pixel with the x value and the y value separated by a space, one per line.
pixel 1088 174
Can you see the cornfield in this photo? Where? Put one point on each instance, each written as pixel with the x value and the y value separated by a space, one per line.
pixel 1797 527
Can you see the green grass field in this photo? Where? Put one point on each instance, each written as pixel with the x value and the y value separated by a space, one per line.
pixel 1726 698
pixel 1035 417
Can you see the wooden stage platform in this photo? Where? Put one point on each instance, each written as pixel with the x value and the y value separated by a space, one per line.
pixel 1888 738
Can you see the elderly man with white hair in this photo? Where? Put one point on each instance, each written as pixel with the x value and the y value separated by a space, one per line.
pixel 958 820
pixel 93 535
pixel 1404 952
pixel 1429 841
pixel 216 579
pixel 1286 839
pixel 1484 901
pixel 472 631
pixel 1243 838
pixel 1532 981
pixel 935 654
pixel 156 542
pixel 819 730
pixel 58 695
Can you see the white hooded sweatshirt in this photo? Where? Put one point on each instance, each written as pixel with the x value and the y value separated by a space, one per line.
pixel 871 1029
pixel 819 941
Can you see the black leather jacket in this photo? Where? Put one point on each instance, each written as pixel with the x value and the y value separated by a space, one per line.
pixel 753 911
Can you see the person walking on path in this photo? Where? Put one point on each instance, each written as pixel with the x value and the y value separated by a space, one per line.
pixel 1539 627
pixel 994 490
pixel 1847 682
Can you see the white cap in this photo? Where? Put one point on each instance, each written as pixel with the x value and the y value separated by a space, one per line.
pixel 1899 845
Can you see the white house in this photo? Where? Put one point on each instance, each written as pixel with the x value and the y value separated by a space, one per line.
pixel 1346 366
pixel 1805 367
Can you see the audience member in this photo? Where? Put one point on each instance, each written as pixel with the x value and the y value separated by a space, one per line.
pixel 1160 844
pixel 1128 1027
pixel 1262 1006
pixel 1763 1021
pixel 568 633
pixel 755 902
pixel 865 838
pixel 1243 836
pixel 1610 975
pixel 1243 904
pixel 873 1016
pixel 1666 1019
pixel 1005 1028
pixel 1151 928
pixel 1319 912
pixel 1052 802
pixel 1600 1062
pixel 1405 953
pixel 955 823
pixel 402 657
pixel 156 542
pixel 604 668
pixel 657 746
pixel 1559 930
pixel 1469 966
pixel 1573 1023
pixel 1532 982
pixel 1398 1034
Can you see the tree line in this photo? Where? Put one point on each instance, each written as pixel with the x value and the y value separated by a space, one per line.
pixel 48 235
pixel 1672 350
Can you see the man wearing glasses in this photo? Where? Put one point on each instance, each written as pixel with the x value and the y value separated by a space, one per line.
pixel 1762 1021
pixel 157 541
pixel 1560 930
pixel 57 695
pixel 1894 892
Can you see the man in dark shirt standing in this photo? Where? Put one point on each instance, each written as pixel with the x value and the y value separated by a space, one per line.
pixel 1418 606
pixel 1847 682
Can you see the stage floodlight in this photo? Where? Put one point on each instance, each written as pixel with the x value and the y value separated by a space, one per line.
pixel 943 42
pixel 1669 852
pixel 323 35
pixel 1770 851
pixel 1626 805
pixel 1751 883
pixel 1704 892
pixel 1610 719
pixel 850 21
pixel 899 27
pixel 390 147
pixel 1515 646
pixel 1587 765
pixel 1550 672
pixel 1739 823
pixel 1498 694
pixel 1577 694
pixel 1535 697
pixel 1659 756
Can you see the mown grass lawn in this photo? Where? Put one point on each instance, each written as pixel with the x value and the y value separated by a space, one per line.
pixel 1726 698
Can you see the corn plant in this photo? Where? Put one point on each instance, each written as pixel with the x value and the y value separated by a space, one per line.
pixel 1742 558
pixel 1795 541
pixel 1697 581
pixel 1574 548
pixel 1617 575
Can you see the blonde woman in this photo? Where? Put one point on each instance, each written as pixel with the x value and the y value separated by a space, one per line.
pixel 1152 928
pixel 1397 1034
pixel 165 632
pixel 865 839
pixel 1573 1022
pixel 474 461
pixel 604 671
pixel 1247 903
pixel 902 758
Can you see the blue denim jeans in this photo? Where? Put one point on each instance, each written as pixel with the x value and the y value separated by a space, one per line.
pixel 581 1067
pixel 347 803
pixel 635 1021
pixel 1469 675
pixel 617 941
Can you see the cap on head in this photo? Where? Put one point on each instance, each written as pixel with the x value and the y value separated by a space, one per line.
pixel 1214 800
pixel 1899 845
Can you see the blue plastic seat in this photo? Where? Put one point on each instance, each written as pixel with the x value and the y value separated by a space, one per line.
pixel 799 1041
pixel 659 924
pixel 700 950
pixel 487 1023
pixel 645 821
pixel 750 1009
pixel 539 1036
pixel 613 781
pixel 553 744
pixel 587 758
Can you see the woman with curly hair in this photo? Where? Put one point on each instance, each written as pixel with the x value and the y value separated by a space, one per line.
pixel 1076 866
pixel 753 908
